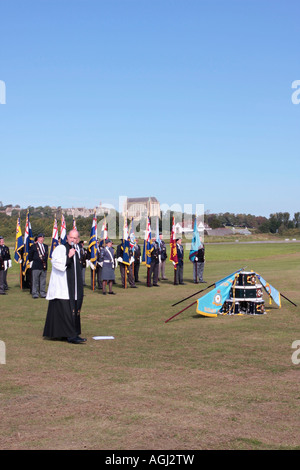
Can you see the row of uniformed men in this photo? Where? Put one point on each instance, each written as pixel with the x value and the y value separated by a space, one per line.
pixel 103 270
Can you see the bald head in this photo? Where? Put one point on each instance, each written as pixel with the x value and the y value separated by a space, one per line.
pixel 73 237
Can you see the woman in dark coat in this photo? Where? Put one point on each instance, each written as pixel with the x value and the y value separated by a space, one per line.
pixel 108 267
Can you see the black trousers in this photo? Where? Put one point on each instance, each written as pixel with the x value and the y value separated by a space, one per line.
pixel 136 271
pixel 153 273
pixel 126 270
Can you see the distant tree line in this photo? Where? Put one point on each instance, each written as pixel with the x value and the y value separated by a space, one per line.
pixel 42 218
pixel 277 222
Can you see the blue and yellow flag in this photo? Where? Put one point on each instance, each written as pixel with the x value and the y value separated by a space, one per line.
pixel 93 243
pixel 54 242
pixel 271 291
pixel 210 304
pixel 146 258
pixel 126 255
pixel 196 242
pixel 28 241
pixel 217 283
pixel 19 242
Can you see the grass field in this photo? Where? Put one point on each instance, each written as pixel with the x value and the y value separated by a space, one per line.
pixel 192 383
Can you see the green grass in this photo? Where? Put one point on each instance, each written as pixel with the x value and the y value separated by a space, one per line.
pixel 191 383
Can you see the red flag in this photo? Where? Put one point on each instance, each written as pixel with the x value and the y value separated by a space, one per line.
pixel 173 251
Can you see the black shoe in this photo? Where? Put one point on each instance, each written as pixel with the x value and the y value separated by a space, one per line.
pixel 164 278
pixel 104 293
pixel 112 293
pixel 156 285
pixel 196 282
pixel 75 341
pixel 83 340
pixel 203 282
pixel 182 283
pixel 133 287
pixel 175 283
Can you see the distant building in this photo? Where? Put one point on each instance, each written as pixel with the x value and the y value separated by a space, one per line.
pixel 9 209
pixel 139 207
pixel 187 226
pixel 84 212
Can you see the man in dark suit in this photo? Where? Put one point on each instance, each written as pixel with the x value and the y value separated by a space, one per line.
pixel 38 255
pixel 125 269
pixel 137 260
pixel 154 263
pixel 2 287
pixel 5 255
pixel 180 255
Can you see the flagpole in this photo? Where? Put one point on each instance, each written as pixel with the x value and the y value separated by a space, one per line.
pixel 181 311
pixel 133 249
pixel 287 299
pixel 211 285
pixel 148 269
pixel 173 305
pixel 124 242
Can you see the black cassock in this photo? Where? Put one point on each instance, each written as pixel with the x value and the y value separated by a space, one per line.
pixel 63 316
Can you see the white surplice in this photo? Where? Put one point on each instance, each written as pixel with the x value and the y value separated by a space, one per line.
pixel 58 285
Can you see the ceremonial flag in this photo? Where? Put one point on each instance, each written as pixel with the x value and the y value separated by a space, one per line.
pixel 63 231
pixel 125 230
pixel 19 243
pixel 273 293
pixel 157 231
pixel 210 304
pixel 93 243
pixel 125 244
pixel 54 242
pixel 196 242
pixel 173 251
pixel 132 235
pixel 146 258
pixel 74 224
pixel 104 234
pixel 126 256
pixel 28 241
pixel 217 283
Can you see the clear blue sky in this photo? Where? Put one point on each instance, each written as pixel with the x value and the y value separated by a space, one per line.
pixel 185 100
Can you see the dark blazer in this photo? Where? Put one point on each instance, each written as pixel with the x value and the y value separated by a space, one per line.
pixel 163 250
pixel 180 254
pixel 4 256
pixel 39 261
pixel 137 254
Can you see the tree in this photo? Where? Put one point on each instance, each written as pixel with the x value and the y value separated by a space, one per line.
pixel 296 220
